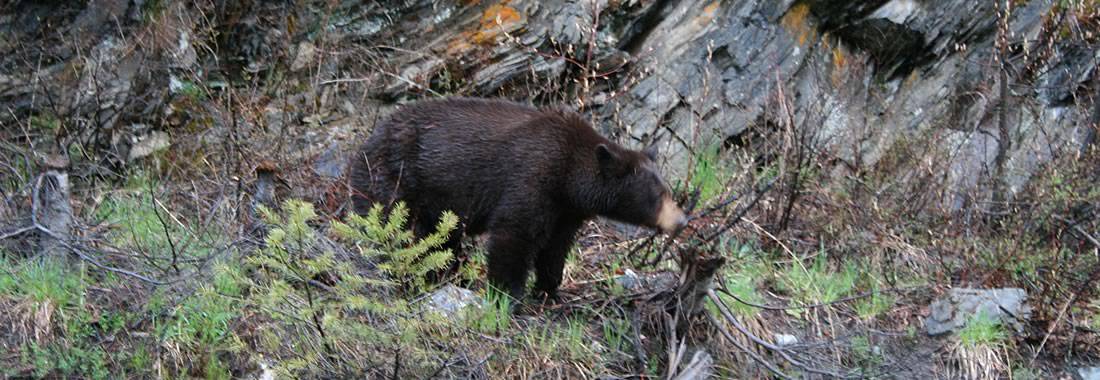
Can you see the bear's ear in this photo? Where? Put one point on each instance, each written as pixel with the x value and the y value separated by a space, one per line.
pixel 604 154
pixel 609 160
pixel 651 152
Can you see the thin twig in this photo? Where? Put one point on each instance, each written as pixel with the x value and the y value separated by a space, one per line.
pixel 816 305
pixel 167 235
pixel 16 232
pixel 732 221
pixel 1050 330
pixel 92 260
pixel 1080 231
pixel 1073 297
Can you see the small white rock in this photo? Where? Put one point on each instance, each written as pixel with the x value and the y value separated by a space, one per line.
pixel 174 84
pixel 149 144
pixel 450 299
pixel 1089 373
pixel 306 52
pixel 629 279
pixel 783 340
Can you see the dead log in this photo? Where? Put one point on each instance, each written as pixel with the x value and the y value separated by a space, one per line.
pixel 684 301
pixel 263 194
pixel 50 208
pixel 696 279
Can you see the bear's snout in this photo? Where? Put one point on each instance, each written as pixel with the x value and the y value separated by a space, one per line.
pixel 670 217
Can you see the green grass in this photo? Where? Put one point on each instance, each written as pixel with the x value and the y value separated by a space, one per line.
pixel 616 334
pixel 742 276
pixel 874 305
pixel 567 342
pixel 878 302
pixel 42 281
pixel 865 354
pixel 59 287
pixel 48 123
pixel 21 172
pixel 741 279
pixel 495 316
pixel 152 9
pixel 1023 373
pixel 68 360
pixel 201 323
pixel 140 222
pixel 137 223
pixel 192 91
pixel 818 283
pixel 614 269
pixel 708 175
pixel 982 330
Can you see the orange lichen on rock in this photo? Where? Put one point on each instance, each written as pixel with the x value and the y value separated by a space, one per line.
pixel 496 20
pixel 795 21
pixel 840 63
pixel 839 58
pixel 459 46
pixel 708 13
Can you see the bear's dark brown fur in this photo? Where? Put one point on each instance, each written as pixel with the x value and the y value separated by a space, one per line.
pixel 529 177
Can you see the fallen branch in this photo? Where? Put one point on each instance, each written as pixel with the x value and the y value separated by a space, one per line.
pixel 700 367
pixel 752 354
pixel 697 279
pixel 1053 326
pixel 779 350
pixel 640 357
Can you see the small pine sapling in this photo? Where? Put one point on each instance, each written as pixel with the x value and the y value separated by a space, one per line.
pixel 401 256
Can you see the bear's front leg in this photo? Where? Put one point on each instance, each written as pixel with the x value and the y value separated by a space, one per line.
pixel 550 261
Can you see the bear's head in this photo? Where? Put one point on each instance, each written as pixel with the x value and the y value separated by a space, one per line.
pixel 633 190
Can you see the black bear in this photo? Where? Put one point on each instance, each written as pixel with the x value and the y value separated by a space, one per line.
pixel 528 177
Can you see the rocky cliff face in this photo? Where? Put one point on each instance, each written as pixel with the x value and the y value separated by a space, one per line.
pixel 860 81
pixel 862 77
pixel 866 78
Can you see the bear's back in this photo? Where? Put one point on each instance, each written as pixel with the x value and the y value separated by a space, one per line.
pixel 471 131
pixel 470 116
